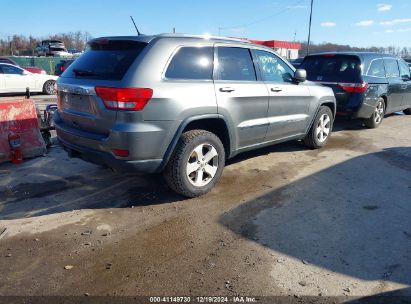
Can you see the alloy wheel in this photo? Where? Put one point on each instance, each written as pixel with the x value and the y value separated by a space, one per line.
pixel 323 128
pixel 202 165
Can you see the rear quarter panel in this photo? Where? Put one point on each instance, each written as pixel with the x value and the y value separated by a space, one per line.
pixel 321 95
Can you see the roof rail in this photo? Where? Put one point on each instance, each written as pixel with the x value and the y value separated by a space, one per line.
pixel 171 35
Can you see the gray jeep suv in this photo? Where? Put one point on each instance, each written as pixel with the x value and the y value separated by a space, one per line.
pixel 182 105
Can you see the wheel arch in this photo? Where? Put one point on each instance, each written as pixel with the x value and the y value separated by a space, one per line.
pixel 326 102
pixel 214 123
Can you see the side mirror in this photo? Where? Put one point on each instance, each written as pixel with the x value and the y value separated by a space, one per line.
pixel 300 75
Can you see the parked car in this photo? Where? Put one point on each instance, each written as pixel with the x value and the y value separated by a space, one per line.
pixel 297 62
pixel 75 52
pixel 62 66
pixel 30 69
pixel 54 48
pixel 153 103
pixel 408 61
pixel 14 79
pixel 366 85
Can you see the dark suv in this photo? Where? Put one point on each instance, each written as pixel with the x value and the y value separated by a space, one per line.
pixel 366 85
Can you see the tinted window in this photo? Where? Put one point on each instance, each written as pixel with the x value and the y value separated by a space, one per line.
pixel 5 60
pixel 333 68
pixel 404 69
pixel 376 68
pixel 9 69
pixel 391 67
pixel 105 59
pixel 273 68
pixel 191 63
pixel 235 64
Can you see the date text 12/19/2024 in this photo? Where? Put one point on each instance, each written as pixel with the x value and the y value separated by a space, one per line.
pixel 203 299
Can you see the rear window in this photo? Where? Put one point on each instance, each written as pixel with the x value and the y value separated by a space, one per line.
pixel 333 68
pixel 391 67
pixel 105 60
pixel 376 68
pixel 191 63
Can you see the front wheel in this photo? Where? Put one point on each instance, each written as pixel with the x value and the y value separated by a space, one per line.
pixel 48 87
pixel 196 163
pixel 376 118
pixel 320 131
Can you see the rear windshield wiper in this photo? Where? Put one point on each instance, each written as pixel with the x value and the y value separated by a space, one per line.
pixel 79 72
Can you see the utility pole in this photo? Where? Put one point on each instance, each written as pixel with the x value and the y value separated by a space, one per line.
pixel 309 28
pixel 295 34
pixel 174 30
pixel 219 31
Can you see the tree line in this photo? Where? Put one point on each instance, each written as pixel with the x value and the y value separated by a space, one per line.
pixel 332 47
pixel 20 45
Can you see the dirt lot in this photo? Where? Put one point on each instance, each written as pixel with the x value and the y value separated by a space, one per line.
pixel 282 221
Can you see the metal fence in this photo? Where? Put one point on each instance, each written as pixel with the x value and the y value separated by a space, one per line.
pixel 46 63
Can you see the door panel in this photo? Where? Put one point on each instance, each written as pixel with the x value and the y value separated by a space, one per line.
pixel 246 104
pixel 15 79
pixel 406 85
pixel 240 96
pixel 395 85
pixel 288 102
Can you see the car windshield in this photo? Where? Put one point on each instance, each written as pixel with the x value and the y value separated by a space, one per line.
pixel 105 60
pixel 333 68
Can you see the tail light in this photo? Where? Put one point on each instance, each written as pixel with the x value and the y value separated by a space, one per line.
pixel 354 87
pixel 120 152
pixel 129 99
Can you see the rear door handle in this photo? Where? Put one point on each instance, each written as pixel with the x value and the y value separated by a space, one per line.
pixel 276 89
pixel 226 89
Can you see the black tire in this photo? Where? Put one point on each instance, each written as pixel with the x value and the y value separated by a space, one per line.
pixel 316 140
pixel 175 172
pixel 407 111
pixel 374 121
pixel 48 87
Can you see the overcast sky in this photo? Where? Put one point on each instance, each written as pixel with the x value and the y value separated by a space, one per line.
pixel 354 22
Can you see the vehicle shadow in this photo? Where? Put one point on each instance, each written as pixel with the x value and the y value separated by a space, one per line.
pixel 343 123
pixel 352 218
pixel 56 183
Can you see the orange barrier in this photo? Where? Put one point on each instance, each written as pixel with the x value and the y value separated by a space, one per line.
pixel 20 135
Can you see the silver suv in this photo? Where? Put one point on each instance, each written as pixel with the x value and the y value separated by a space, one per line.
pixel 182 105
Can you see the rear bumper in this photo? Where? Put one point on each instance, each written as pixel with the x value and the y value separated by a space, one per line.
pixel 358 108
pixel 107 159
pixel 147 143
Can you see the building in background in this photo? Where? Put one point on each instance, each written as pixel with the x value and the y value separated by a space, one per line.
pixel 285 49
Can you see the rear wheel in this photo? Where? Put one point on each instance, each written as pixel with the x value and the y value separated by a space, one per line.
pixel 48 87
pixel 320 131
pixel 376 118
pixel 407 111
pixel 196 163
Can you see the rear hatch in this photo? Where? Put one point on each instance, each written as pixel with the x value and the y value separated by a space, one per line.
pixel 340 72
pixel 104 64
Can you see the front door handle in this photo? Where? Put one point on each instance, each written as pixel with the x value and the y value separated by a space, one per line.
pixel 276 89
pixel 226 89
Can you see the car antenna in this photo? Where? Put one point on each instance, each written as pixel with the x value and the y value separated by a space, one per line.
pixel 138 32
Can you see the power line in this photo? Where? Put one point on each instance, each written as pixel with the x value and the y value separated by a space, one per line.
pixel 262 19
